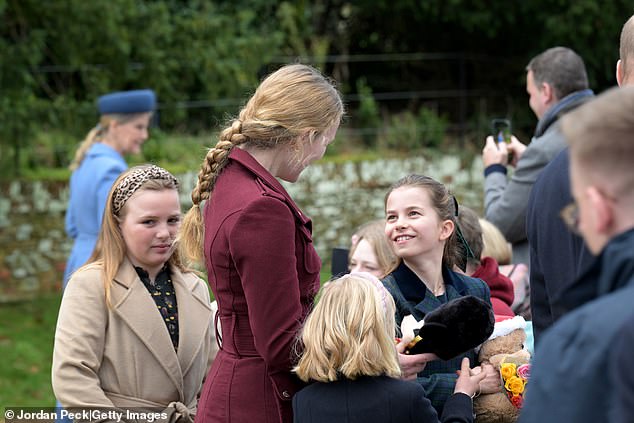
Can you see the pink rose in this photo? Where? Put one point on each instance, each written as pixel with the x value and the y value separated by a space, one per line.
pixel 524 371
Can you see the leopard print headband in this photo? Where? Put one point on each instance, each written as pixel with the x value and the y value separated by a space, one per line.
pixel 134 180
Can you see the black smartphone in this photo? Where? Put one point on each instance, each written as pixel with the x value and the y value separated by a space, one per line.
pixel 501 130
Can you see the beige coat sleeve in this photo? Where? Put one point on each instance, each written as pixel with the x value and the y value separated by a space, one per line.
pixel 79 343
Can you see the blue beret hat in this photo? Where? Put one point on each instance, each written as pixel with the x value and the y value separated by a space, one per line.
pixel 135 101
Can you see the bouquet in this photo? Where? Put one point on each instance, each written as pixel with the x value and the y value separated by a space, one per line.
pixel 514 378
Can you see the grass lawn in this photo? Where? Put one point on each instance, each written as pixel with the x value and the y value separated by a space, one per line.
pixel 26 351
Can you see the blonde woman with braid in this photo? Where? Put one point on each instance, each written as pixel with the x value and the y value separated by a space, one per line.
pixel 122 129
pixel 134 331
pixel 257 244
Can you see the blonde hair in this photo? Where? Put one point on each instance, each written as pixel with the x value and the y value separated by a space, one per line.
pixel 350 332
pixel 97 133
pixel 601 138
pixel 110 250
pixel 443 203
pixel 374 233
pixel 288 103
pixel 494 243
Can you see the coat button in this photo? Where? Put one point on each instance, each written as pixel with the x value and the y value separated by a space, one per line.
pixel 285 394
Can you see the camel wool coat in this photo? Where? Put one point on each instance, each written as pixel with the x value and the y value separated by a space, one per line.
pixel 123 356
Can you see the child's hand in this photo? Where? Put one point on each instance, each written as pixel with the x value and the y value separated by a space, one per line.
pixel 411 365
pixel 491 382
pixel 468 383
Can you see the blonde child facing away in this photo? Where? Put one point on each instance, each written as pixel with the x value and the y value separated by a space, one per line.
pixel 349 353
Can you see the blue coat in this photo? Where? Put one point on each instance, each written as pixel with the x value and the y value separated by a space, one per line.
pixel 622 372
pixel 570 378
pixel 90 184
pixel 374 399
pixel 412 297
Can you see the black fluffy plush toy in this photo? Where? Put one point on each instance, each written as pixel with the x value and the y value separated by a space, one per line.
pixel 454 328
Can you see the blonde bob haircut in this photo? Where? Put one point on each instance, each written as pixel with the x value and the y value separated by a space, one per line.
pixel 350 332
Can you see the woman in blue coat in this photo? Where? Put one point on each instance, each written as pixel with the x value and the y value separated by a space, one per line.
pixel 122 129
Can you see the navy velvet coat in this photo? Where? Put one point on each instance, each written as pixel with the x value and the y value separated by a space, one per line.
pixel 378 399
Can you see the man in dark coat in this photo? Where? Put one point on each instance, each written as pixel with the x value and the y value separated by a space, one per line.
pixel 571 379
pixel 557 256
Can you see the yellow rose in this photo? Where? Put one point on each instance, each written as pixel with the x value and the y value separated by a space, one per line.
pixel 515 385
pixel 507 370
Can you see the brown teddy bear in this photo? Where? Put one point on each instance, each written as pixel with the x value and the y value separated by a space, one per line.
pixel 505 351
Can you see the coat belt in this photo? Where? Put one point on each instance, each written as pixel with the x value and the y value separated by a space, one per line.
pixel 237 338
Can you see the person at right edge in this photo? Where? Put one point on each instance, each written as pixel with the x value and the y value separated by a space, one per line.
pixel 572 379
pixel 621 364
pixel 556 82
pixel 262 266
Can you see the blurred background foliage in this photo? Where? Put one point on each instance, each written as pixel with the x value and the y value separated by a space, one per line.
pixel 409 69
pixel 414 73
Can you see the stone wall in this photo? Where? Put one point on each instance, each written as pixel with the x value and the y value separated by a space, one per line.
pixel 338 198
pixel 33 245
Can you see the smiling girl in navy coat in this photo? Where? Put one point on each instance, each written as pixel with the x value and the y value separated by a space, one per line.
pixel 421 227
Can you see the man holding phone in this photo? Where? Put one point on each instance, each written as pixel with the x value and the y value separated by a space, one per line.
pixel 556 82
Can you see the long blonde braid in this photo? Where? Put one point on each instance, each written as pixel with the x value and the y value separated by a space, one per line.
pixel 215 160
pixel 290 101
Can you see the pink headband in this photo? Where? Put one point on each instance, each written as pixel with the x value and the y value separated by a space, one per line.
pixel 375 281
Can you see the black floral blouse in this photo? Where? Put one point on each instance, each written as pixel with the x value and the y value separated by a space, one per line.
pixel 162 291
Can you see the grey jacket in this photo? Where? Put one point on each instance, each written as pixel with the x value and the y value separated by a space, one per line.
pixel 506 199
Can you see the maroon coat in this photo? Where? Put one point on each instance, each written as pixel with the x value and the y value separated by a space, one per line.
pixel 264 272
